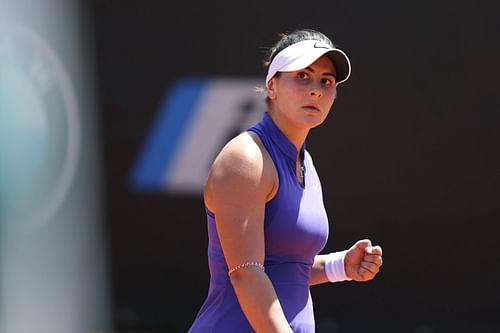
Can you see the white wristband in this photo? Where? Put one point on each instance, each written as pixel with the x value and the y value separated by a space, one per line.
pixel 334 267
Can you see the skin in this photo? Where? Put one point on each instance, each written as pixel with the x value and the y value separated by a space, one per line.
pixel 300 101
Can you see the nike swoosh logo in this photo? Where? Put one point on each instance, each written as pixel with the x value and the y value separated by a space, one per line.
pixel 319 46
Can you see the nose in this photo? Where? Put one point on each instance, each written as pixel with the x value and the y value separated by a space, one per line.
pixel 315 90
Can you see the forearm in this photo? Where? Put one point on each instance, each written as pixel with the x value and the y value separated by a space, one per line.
pixel 318 275
pixel 329 268
pixel 259 301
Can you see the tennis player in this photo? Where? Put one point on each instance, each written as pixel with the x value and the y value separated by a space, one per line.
pixel 266 220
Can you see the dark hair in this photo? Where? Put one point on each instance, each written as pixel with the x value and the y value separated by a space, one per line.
pixel 287 39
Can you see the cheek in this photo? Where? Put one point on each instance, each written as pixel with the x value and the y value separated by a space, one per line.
pixel 329 99
pixel 332 93
pixel 291 95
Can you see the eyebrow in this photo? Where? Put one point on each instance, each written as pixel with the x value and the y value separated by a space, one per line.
pixel 327 73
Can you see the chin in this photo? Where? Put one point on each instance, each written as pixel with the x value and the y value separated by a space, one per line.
pixel 313 120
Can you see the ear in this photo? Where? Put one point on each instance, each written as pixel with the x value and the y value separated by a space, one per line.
pixel 271 89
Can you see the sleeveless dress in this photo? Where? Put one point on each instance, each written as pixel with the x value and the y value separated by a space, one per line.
pixel 295 230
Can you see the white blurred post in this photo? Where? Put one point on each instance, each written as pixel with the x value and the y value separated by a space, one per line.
pixel 53 258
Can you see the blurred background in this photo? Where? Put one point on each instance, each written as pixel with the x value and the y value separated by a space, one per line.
pixel 112 111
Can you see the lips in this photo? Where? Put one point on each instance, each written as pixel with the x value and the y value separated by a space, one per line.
pixel 311 107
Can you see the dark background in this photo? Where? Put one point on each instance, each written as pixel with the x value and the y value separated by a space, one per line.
pixel 409 156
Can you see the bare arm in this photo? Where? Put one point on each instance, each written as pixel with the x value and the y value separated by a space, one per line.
pixel 241 180
pixel 362 263
pixel 318 274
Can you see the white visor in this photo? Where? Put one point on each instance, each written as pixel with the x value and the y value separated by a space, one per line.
pixel 302 54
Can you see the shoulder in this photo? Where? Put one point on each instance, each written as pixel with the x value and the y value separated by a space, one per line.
pixel 309 160
pixel 307 156
pixel 243 163
pixel 242 156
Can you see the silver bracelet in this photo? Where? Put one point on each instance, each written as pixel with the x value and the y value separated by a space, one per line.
pixel 248 263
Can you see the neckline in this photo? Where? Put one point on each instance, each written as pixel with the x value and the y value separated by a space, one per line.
pixel 280 139
pixel 287 147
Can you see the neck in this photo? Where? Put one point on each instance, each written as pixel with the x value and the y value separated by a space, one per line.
pixel 296 135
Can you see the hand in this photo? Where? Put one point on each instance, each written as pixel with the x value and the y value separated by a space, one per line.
pixel 362 261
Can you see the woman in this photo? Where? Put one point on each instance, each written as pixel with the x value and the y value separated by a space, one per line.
pixel 266 218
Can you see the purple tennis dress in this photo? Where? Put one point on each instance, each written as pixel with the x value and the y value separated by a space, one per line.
pixel 295 230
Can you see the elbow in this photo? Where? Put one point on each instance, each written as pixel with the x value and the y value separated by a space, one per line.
pixel 244 278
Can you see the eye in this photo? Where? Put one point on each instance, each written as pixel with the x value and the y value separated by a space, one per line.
pixel 302 75
pixel 328 81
